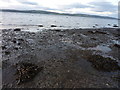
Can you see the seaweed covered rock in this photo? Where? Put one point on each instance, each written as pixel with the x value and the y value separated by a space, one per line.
pixel 26 71
pixel 103 64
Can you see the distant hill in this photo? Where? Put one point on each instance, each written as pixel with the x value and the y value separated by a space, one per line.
pixel 54 13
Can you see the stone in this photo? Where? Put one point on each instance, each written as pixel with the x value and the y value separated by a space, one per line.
pixel 53 26
pixel 40 25
pixel 17 29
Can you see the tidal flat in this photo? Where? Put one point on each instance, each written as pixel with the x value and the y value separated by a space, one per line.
pixel 61 58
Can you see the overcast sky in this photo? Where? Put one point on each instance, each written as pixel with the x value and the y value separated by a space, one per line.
pixel 93 7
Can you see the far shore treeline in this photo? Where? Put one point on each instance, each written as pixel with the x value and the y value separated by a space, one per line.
pixel 54 13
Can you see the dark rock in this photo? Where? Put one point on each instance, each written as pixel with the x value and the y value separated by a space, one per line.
pixel 17 29
pixel 53 26
pixel 61 26
pixel 57 30
pixel 7 52
pixel 14 41
pixel 92 32
pixel 115 25
pixel 93 38
pixel 4 47
pixel 21 39
pixel 60 35
pixel 98 32
pixel 16 48
pixel 19 43
pixel 117 45
pixel 96 24
pixel 40 25
pixel 103 64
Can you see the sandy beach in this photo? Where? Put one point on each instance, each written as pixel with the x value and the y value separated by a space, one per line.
pixel 61 58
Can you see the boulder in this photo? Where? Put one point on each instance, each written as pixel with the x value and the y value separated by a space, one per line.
pixel 53 26
pixel 17 29
pixel 115 25
pixel 40 25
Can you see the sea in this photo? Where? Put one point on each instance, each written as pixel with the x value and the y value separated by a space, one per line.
pixel 31 21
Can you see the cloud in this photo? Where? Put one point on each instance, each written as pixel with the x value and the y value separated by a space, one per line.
pixel 103 7
pixel 6 1
pixel 30 3
pixel 27 2
pixel 75 5
pixel 96 7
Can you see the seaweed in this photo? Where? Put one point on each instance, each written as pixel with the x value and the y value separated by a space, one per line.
pixel 26 71
pixel 103 64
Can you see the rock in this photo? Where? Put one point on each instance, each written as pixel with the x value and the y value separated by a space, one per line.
pixel 19 43
pixel 115 25
pixel 17 29
pixel 93 32
pixel 53 26
pixel 57 30
pixel 96 24
pixel 16 48
pixel 93 38
pixel 60 35
pixel 40 25
pixel 21 39
pixel 7 52
pixel 3 47
pixel 117 45
pixel 14 41
pixel 98 32
pixel 61 26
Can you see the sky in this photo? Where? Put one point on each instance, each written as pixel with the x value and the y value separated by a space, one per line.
pixel 92 7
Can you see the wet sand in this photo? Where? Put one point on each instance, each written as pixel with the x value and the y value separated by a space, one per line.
pixel 76 58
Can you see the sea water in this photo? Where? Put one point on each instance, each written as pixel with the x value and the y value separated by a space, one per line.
pixel 32 20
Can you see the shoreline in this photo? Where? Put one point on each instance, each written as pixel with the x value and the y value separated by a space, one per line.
pixel 70 58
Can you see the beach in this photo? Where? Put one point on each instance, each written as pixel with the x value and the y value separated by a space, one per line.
pixel 61 58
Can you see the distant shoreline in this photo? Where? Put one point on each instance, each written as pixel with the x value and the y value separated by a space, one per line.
pixel 54 13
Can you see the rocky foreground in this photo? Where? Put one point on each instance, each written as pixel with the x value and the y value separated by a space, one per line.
pixel 81 58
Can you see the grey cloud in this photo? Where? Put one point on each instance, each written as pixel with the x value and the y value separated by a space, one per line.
pixel 103 7
pixel 75 5
pixel 27 2
pixel 43 8
pixel 30 3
